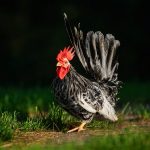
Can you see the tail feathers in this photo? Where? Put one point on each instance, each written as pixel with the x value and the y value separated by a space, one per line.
pixel 95 52
pixel 111 48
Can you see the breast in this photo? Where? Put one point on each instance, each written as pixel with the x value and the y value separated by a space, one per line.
pixel 66 94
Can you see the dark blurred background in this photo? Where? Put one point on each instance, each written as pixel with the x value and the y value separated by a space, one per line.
pixel 32 32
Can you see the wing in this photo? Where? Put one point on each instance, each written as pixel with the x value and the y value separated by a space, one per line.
pixel 95 52
pixel 90 99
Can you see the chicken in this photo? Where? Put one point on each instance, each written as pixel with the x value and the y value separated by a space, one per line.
pixel 78 95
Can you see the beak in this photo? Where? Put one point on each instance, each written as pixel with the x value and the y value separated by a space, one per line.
pixel 58 64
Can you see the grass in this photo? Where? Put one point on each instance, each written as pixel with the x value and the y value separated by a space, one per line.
pixel 128 141
pixel 34 109
pixel 25 100
pixel 31 110
pixel 8 125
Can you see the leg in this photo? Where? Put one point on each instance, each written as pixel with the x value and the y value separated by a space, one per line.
pixel 80 128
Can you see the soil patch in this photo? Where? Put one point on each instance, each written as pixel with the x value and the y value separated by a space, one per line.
pixel 52 137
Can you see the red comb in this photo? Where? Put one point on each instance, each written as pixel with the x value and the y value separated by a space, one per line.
pixel 66 53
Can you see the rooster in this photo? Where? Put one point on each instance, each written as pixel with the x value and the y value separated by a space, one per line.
pixel 78 95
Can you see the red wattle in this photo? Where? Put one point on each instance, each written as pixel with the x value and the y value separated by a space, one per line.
pixel 61 72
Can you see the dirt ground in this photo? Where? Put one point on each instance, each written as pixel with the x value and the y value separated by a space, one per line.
pixel 52 137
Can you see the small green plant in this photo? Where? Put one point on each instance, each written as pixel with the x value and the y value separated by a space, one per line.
pixel 32 124
pixel 57 118
pixel 142 111
pixel 8 125
pixel 138 111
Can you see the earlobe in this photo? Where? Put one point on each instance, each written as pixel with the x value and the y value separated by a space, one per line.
pixel 58 64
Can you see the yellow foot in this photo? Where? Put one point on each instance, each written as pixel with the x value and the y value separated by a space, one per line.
pixel 78 129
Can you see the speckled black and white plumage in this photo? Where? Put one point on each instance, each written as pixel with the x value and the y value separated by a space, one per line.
pixel 68 93
pixel 80 96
